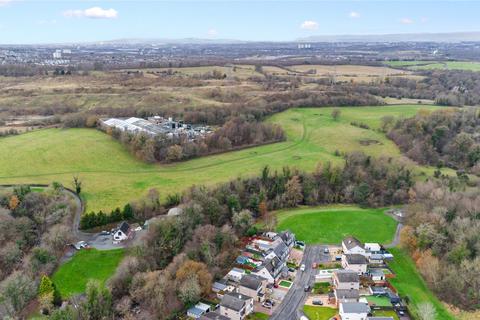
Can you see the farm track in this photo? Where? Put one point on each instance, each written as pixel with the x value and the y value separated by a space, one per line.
pixel 292 145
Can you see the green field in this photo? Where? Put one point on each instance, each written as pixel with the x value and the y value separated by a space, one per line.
pixel 257 316
pixel 330 224
pixel 379 301
pixel 72 277
pixel 111 176
pixel 432 65
pixel 409 283
pixel 319 313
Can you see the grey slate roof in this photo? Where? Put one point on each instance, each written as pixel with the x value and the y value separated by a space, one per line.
pixel 213 316
pixel 346 276
pixel 356 259
pixel 124 227
pixel 352 242
pixel 251 281
pixel 347 293
pixel 355 307
pixel 234 301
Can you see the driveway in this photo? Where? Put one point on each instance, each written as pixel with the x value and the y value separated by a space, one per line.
pixel 292 304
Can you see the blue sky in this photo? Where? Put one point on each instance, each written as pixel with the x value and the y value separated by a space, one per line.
pixel 38 21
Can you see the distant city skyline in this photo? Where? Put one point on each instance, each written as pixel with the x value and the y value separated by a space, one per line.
pixel 37 21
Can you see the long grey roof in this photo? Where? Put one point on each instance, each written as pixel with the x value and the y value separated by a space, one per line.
pixel 355 307
pixel 347 293
pixel 213 316
pixel 251 281
pixel 346 276
pixel 356 259
pixel 234 301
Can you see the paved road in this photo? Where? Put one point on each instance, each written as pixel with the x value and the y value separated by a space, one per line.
pixel 292 305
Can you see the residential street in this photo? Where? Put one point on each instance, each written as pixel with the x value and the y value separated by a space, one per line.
pixel 291 306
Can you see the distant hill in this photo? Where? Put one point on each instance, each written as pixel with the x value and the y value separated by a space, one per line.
pixel 400 37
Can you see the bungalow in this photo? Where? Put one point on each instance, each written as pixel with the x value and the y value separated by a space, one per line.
pixel 235 274
pixel 236 306
pixel 355 262
pixel 354 311
pixel 351 245
pixel 198 310
pixel 377 274
pixel 253 286
pixel 123 232
pixel 375 258
pixel 213 316
pixel 372 247
pixel 346 295
pixel 344 279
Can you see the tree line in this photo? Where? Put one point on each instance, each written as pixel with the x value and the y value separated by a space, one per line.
pixel 34 230
pixel 442 236
pixel 441 138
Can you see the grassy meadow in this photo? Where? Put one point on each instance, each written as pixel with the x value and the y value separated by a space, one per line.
pixel 409 283
pixel 330 224
pixel 72 277
pixel 432 65
pixel 111 176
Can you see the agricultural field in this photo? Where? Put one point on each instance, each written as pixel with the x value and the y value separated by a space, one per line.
pixel 111 176
pixel 347 73
pixel 72 277
pixel 432 65
pixel 330 224
pixel 409 283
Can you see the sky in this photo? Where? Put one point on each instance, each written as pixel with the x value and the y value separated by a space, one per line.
pixel 67 21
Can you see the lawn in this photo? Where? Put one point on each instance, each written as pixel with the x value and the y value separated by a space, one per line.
pixel 386 313
pixel 321 287
pixel 71 278
pixel 330 224
pixel 285 283
pixel 111 176
pixel 409 283
pixel 319 313
pixel 379 301
pixel 257 316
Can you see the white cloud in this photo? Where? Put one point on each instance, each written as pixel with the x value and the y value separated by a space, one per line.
pixel 309 25
pixel 406 21
pixel 354 14
pixel 4 2
pixel 424 19
pixel 212 32
pixel 93 13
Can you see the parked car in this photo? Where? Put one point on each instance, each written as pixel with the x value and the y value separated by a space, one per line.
pixel 81 245
pixel 303 318
pixel 291 269
pixel 302 267
pixel 307 288
pixel 270 301
pixel 267 305
pixel 105 233
pixel 401 313
pixel 314 265
pixel 326 250
pixel 317 302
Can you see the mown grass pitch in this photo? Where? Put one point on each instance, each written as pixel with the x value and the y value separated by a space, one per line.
pixel 72 277
pixel 111 176
pixel 330 224
pixel 433 65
